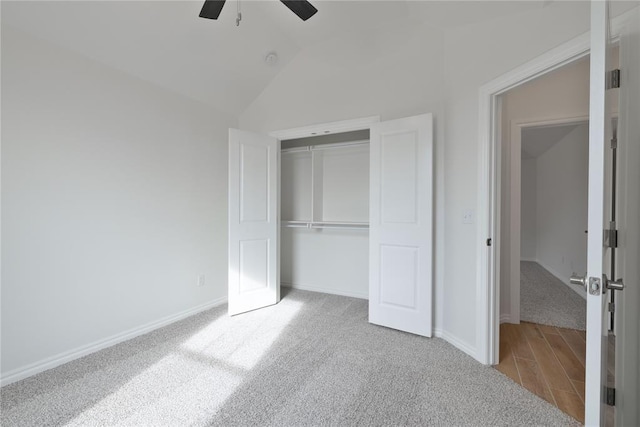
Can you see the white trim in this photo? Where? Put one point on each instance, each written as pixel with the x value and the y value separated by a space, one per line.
pixel 454 341
pixel 364 295
pixel 488 292
pixel 506 318
pixel 68 356
pixel 321 129
pixel 529 260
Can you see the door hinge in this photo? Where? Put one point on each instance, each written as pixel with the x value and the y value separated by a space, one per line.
pixel 612 307
pixel 611 396
pixel 489 242
pixel 613 79
pixel 611 238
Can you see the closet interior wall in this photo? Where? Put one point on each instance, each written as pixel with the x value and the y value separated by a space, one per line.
pixel 324 238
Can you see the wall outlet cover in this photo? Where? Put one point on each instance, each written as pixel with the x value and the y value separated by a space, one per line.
pixel 468 216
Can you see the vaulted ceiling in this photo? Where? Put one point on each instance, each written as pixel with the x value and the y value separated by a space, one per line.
pixel 167 44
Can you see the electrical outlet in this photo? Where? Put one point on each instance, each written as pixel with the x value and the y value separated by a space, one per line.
pixel 200 280
pixel 467 216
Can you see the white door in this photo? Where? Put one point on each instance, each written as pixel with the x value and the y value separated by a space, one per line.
pixel 599 140
pixel 253 221
pixel 400 236
pixel 627 364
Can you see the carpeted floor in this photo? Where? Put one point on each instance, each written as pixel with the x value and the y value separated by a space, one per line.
pixel 311 360
pixel 544 299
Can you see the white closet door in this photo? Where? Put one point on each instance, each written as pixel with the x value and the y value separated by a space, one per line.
pixel 401 218
pixel 253 221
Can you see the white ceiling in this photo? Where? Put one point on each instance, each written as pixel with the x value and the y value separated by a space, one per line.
pixel 166 43
pixel 537 140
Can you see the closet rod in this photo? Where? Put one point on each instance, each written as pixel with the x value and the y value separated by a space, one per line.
pixel 334 225
pixel 341 227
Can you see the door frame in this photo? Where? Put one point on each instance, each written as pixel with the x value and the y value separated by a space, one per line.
pixel 489 188
pixel 515 230
pixel 489 185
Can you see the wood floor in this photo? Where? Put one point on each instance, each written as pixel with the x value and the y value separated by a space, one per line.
pixel 548 361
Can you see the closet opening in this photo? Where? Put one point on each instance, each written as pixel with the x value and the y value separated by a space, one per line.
pixel 324 213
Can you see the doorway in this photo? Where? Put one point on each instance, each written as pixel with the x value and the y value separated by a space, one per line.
pixel 544 183
pixel 553 223
pixel 544 350
pixel 626 28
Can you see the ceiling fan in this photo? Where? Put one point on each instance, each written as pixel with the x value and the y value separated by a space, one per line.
pixel 305 10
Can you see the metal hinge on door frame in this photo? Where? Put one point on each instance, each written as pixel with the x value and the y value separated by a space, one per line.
pixel 613 79
pixel 611 238
pixel 611 396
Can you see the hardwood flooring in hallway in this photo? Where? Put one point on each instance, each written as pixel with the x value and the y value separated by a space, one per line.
pixel 548 361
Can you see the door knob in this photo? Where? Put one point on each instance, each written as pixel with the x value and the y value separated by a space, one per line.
pixel 616 285
pixel 578 280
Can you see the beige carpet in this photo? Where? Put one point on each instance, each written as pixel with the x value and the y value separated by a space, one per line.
pixel 311 360
pixel 545 300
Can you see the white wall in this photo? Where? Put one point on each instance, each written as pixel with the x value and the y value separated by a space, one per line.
pixel 331 261
pixel 528 212
pixel 475 55
pixel 391 73
pixel 562 184
pixel 113 202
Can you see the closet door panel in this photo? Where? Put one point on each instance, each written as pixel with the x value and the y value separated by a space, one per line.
pixel 254 179
pixel 399 174
pixel 399 290
pixel 253 221
pixel 401 219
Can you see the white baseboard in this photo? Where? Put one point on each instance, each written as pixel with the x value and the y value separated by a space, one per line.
pixel 564 280
pixel 529 260
pixel 505 318
pixel 326 290
pixel 67 356
pixel 454 341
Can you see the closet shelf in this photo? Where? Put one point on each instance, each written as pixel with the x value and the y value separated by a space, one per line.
pixel 346 225
pixel 325 146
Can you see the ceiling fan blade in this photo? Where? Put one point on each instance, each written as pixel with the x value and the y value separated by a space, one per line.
pixel 302 8
pixel 211 9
